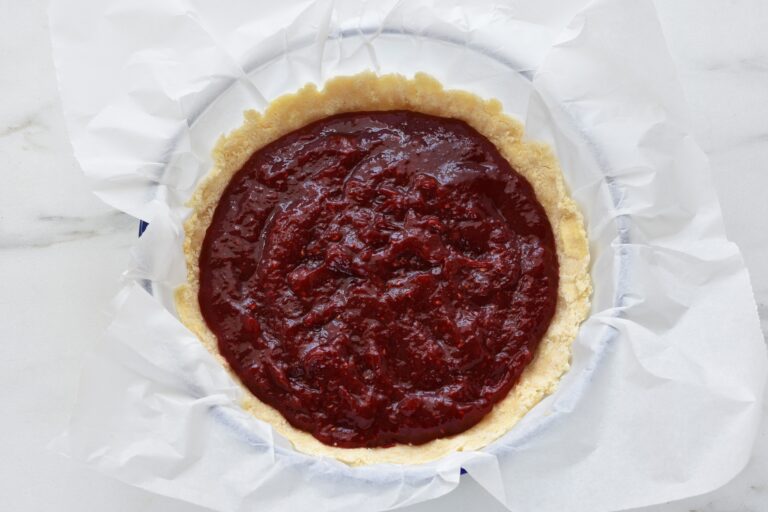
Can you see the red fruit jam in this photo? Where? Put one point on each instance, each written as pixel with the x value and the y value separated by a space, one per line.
pixel 379 277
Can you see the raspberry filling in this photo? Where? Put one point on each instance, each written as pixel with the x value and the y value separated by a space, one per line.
pixel 379 277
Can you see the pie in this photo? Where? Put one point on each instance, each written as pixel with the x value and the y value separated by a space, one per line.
pixel 386 267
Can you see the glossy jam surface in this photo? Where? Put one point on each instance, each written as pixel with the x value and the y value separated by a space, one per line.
pixel 379 277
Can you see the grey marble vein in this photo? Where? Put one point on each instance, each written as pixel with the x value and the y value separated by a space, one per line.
pixel 752 64
pixel 36 120
pixel 47 230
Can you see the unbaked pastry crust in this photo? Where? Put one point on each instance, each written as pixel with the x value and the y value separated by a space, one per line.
pixel 535 161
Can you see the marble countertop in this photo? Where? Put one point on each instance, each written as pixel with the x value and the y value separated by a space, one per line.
pixel 62 251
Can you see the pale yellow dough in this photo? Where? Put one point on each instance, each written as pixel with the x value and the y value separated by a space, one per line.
pixel 535 161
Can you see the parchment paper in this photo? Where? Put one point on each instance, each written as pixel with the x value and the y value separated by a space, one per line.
pixel 664 394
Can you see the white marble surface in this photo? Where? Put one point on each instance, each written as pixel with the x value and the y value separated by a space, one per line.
pixel 62 251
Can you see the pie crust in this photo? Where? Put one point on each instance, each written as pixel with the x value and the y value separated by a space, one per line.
pixel 534 161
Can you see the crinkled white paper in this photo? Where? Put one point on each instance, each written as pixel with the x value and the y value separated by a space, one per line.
pixel 664 394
